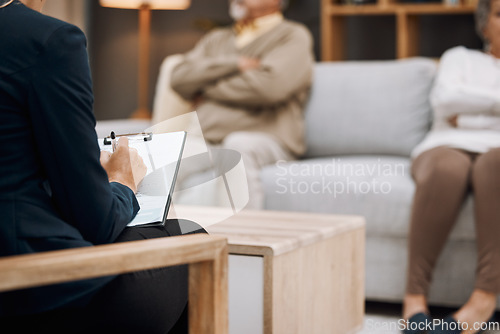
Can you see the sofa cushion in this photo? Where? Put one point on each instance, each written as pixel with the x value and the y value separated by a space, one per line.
pixel 369 107
pixel 379 188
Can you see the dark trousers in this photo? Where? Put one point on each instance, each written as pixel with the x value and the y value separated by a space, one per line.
pixel 151 301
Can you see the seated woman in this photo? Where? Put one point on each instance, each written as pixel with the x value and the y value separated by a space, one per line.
pixel 461 154
pixel 58 192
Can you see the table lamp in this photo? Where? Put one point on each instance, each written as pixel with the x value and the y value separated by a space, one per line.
pixel 145 7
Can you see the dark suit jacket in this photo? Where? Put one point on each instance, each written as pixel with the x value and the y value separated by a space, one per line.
pixel 54 193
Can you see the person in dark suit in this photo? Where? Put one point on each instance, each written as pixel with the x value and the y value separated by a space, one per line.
pixel 57 191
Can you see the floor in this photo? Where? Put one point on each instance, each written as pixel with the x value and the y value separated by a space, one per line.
pixel 382 318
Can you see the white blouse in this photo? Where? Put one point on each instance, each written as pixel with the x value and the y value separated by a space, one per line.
pixel 467 85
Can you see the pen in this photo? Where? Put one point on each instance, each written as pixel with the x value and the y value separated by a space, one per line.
pixel 113 140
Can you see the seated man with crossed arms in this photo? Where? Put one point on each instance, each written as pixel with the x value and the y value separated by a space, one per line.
pixel 250 82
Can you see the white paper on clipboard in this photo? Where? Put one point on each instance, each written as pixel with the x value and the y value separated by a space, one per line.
pixel 162 156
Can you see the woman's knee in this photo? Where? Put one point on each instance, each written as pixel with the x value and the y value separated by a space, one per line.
pixel 141 233
pixel 440 165
pixel 189 227
pixel 172 227
pixel 487 166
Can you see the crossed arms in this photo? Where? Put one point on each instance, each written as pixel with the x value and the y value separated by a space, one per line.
pixel 463 104
pixel 225 79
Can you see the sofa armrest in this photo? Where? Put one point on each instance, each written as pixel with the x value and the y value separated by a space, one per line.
pixel 206 256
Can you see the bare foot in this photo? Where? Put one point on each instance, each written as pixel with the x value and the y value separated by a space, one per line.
pixel 478 309
pixel 414 304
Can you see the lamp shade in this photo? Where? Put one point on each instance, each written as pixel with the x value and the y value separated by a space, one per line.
pixel 153 4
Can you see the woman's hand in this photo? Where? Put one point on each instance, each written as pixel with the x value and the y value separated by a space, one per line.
pixel 124 166
pixel 453 121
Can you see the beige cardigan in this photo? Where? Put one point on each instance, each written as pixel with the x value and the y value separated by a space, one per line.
pixel 269 99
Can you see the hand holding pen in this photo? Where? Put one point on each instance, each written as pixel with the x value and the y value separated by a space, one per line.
pixel 113 141
pixel 125 165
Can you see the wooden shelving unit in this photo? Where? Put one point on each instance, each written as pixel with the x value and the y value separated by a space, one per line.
pixel 407 15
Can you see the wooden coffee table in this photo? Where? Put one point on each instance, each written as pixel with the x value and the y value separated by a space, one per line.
pixel 290 272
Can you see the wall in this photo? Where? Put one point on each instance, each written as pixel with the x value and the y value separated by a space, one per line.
pixel 73 11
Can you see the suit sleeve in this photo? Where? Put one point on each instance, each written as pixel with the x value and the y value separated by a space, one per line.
pixel 60 103
pixel 199 68
pixel 283 71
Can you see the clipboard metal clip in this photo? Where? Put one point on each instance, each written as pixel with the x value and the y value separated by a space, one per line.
pixel 143 136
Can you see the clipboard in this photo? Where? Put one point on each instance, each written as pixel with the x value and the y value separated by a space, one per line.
pixel 162 154
pixel 141 136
